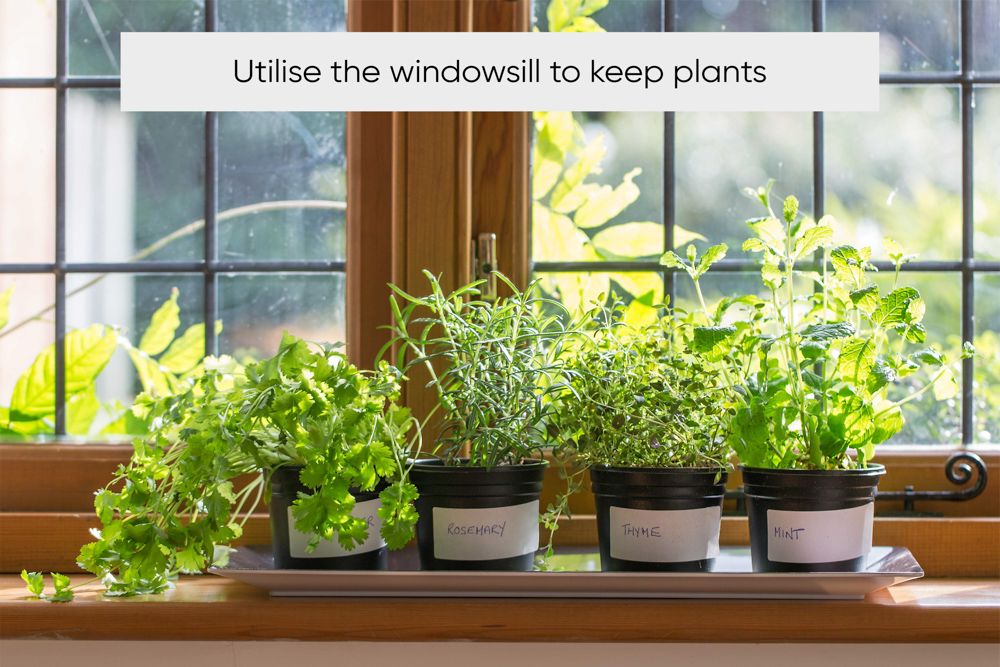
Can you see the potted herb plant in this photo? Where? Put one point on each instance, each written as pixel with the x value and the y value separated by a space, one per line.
pixel 493 366
pixel 647 417
pixel 324 440
pixel 815 364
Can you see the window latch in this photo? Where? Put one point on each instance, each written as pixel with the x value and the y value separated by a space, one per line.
pixel 484 262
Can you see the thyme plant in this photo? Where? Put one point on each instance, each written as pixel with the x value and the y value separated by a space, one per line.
pixel 494 365
pixel 641 398
pixel 814 362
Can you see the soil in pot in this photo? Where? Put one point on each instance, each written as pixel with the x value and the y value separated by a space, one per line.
pixel 811 520
pixel 658 519
pixel 475 518
pixel 289 545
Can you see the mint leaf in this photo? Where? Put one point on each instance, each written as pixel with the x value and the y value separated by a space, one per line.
pixel 829 331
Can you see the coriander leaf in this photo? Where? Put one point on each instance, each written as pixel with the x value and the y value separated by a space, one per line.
pixel 34 582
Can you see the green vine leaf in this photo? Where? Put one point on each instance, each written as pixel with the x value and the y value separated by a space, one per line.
pixel 162 326
pixel 87 353
pixel 609 203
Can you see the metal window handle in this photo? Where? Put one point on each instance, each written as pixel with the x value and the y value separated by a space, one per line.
pixel 484 261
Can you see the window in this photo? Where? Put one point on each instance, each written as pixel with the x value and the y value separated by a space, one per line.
pixel 923 170
pixel 103 214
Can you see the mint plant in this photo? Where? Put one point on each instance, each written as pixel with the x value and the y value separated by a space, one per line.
pixel 495 366
pixel 177 505
pixel 814 372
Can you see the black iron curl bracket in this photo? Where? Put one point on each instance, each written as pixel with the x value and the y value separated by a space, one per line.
pixel 963 469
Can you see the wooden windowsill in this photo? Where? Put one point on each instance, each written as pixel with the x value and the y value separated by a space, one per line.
pixel 210 608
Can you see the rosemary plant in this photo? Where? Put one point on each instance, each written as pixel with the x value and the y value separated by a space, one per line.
pixel 495 366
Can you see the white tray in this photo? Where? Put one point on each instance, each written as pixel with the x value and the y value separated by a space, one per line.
pixel 581 578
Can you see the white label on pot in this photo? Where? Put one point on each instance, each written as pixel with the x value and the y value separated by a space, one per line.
pixel 665 536
pixel 367 511
pixel 825 536
pixel 485 533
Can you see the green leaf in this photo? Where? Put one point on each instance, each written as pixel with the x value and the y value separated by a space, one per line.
pixel 711 256
pixel 865 299
pixel 929 356
pixel 882 374
pixel 829 331
pixel 87 353
pixel 187 350
pixel 856 359
pixel 813 239
pixel 152 376
pixel 162 326
pixel 713 342
pixel 790 208
pixel 771 232
pixel 968 350
pixel 893 307
pixel 630 240
pixel 672 260
pixel 5 306
pixel 771 275
pixel 887 424
pixel 34 581
pixel 848 265
pixel 609 204
pixel 81 409
pixel 571 192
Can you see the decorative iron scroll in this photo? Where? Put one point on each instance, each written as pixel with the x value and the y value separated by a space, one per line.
pixel 963 469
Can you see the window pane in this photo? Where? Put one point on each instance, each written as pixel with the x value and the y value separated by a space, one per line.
pixel 27 38
pixel 914 35
pixel 95 28
pixel 898 172
pixel 283 15
pixel 617 16
pixel 284 174
pixel 255 309
pixel 719 154
pixel 987 360
pixel 127 302
pixel 26 335
pixel 27 175
pixel 745 16
pixel 134 185
pixel 986 190
pixel 985 40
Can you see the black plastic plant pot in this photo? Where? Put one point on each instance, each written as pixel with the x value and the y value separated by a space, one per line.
pixel 658 519
pixel 475 518
pixel 811 520
pixel 289 544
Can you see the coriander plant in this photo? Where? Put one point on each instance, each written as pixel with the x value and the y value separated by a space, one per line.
pixel 814 361
pixel 641 398
pixel 180 500
pixel 493 364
